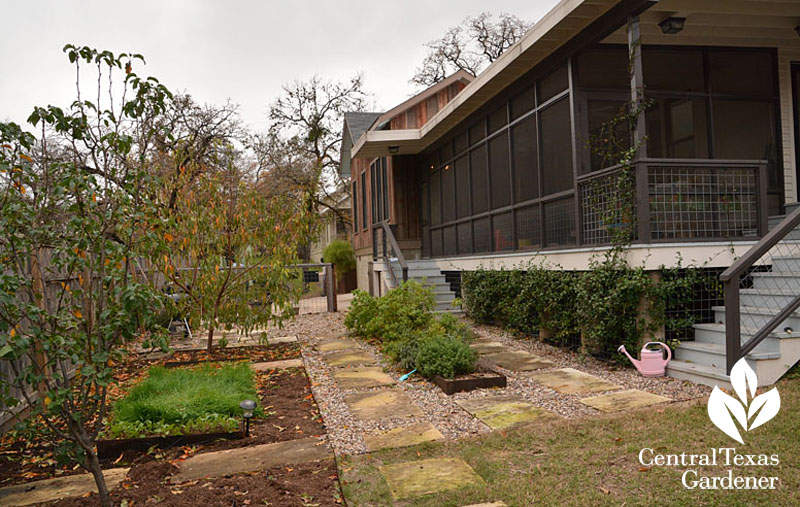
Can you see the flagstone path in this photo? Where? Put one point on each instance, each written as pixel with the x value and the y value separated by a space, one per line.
pixel 362 377
pixel 508 358
pixel 402 436
pixel 624 400
pixel 50 490
pixel 499 412
pixel 572 381
pixel 382 404
pixel 252 459
pixel 416 478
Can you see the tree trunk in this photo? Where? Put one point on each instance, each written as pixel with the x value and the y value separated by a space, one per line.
pixel 210 337
pixel 94 467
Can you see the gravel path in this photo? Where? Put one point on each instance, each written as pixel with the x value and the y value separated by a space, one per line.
pixel 346 432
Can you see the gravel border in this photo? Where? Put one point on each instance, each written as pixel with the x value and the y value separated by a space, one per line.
pixel 346 432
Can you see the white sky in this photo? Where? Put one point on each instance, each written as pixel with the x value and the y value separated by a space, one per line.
pixel 237 49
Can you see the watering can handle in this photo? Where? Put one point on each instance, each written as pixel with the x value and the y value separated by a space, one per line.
pixel 664 346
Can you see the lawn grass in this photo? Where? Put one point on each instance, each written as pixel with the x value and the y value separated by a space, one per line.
pixel 174 400
pixel 594 461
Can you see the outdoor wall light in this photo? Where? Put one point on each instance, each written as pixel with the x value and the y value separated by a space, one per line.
pixel 394 149
pixel 672 25
pixel 248 406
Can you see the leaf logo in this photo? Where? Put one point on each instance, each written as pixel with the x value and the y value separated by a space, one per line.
pixel 725 410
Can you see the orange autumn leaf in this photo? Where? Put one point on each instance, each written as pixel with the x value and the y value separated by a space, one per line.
pixel 77 314
pixel 168 237
pixel 25 157
pixel 13 332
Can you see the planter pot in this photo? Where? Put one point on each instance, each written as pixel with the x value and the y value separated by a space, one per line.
pixel 113 448
pixel 464 383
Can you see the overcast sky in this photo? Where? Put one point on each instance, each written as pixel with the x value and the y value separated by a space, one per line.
pixel 241 50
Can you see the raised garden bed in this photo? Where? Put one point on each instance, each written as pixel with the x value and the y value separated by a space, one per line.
pixel 479 380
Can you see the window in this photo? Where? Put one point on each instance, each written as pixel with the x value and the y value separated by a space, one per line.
pixel 364 200
pixel 500 171
pixel 372 199
pixel 677 128
pixel 480 194
pixel 355 206
pixel 556 148
pixel 385 195
pixel 376 197
pixel 526 164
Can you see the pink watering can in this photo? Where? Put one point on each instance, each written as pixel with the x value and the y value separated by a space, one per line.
pixel 652 363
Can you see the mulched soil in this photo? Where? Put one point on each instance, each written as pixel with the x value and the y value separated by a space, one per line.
pixel 285 394
pixel 295 485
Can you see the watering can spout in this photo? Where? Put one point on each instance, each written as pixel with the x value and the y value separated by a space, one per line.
pixel 635 362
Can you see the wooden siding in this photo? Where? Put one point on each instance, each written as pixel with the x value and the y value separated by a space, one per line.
pixel 404 196
pixel 785 58
pixel 420 111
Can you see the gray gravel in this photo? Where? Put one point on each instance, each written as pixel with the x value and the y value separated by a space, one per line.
pixel 346 433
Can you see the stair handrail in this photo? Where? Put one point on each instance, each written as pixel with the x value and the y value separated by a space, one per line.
pixel 393 248
pixel 387 231
pixel 734 350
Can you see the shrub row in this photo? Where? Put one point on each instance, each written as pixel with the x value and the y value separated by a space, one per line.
pixel 597 310
pixel 410 333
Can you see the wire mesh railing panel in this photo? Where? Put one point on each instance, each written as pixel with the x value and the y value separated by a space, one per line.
pixel 559 222
pixel 602 207
pixel 703 202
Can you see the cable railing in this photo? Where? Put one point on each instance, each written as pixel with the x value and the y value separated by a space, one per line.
pixel 762 290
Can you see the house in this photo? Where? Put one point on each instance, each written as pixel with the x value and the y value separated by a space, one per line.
pixel 502 172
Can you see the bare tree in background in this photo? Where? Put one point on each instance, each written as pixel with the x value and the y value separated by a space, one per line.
pixel 470 46
pixel 300 152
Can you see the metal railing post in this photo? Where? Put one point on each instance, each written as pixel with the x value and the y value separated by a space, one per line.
pixel 733 331
pixel 642 203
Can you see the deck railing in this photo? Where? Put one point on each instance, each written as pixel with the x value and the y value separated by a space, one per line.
pixel 675 200
pixel 766 272
pixel 385 247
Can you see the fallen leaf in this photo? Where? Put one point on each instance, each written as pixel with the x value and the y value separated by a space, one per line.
pixel 644 469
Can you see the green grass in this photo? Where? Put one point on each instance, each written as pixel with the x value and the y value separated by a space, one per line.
pixel 594 461
pixel 183 400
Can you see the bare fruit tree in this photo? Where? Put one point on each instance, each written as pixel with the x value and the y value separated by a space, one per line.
pixel 470 46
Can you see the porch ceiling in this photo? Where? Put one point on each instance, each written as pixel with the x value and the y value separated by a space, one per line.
pixel 743 23
pixel 561 24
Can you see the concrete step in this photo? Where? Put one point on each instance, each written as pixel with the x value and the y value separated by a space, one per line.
pixel 782 281
pixel 417 272
pixel 756 317
pixel 713 354
pixel 766 298
pixel 699 373
pixel 715 334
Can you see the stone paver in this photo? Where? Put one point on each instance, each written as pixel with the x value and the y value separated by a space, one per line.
pixel 361 377
pixel 493 504
pixel 277 365
pixel 402 437
pixel 500 412
pixel 251 459
pixel 337 345
pixel 417 478
pixel 350 359
pixel 518 360
pixel 572 381
pixel 624 400
pixel 485 347
pixel 383 404
pixel 282 339
pixel 54 489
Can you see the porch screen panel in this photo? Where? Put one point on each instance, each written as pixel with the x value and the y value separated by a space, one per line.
pixel 377 201
pixel 522 103
pixel 500 171
pixel 385 194
pixel 481 235
pixel 741 72
pixel 528 227
pixel 462 186
pixel 436 197
pixel 553 84
pixel 556 138
pixel 559 222
pixel 526 160
pixel 436 243
pixel 354 198
pixel 448 194
pixel 677 128
pixel 480 194
pixel 502 233
pixel 679 70
pixel 464 230
pixel 372 198
pixel 449 240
